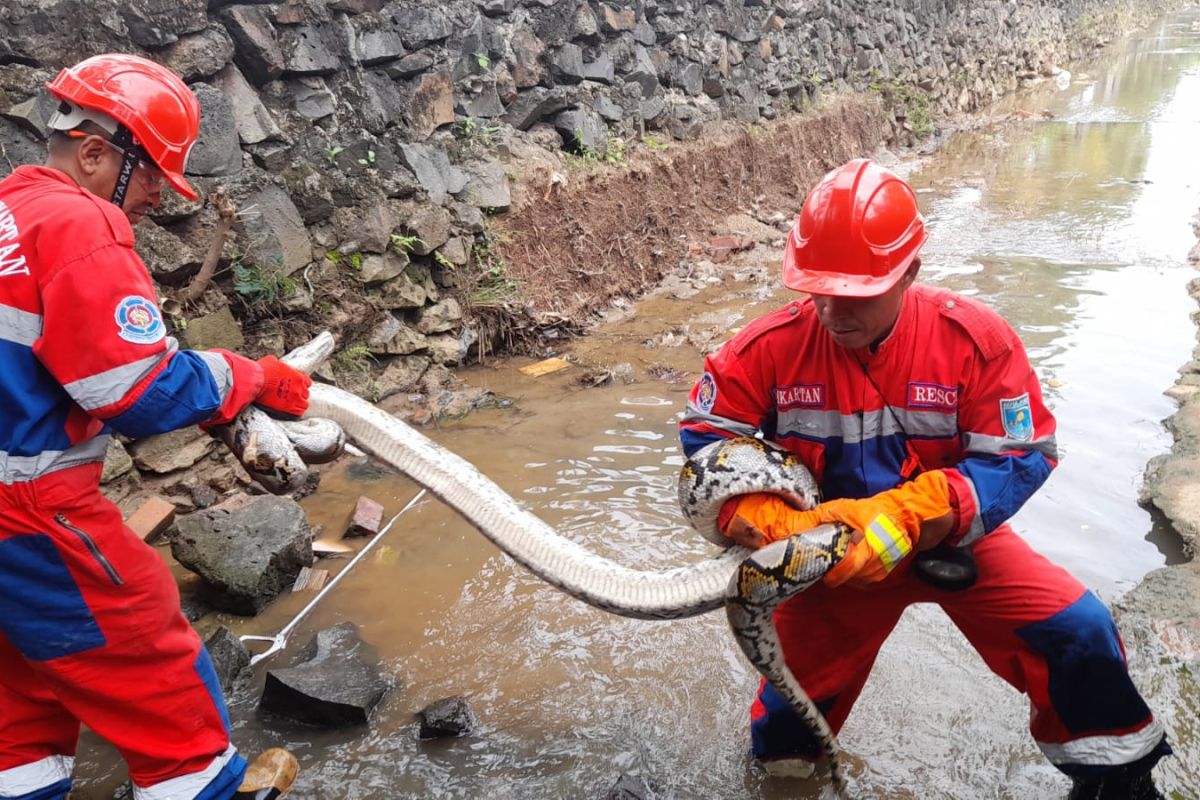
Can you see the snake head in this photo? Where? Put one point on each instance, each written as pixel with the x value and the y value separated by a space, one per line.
pixel 784 568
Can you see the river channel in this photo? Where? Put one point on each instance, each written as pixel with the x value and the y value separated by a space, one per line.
pixel 1071 217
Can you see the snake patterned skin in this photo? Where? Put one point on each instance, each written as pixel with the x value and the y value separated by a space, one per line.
pixel 276 453
pixel 749 584
pixel 264 450
pixel 772 574
pixel 766 578
pixel 730 467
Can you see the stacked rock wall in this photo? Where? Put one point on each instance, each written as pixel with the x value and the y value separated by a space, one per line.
pixel 368 144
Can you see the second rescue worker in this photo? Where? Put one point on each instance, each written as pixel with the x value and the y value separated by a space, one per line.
pixel 919 414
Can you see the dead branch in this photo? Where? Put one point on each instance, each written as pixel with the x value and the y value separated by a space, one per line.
pixel 226 211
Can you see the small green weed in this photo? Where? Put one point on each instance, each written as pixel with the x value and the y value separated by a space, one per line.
pixel 614 152
pixel 493 288
pixel 910 100
pixel 355 358
pixel 258 287
pixel 405 244
pixel 654 143
pixel 473 130
pixel 354 260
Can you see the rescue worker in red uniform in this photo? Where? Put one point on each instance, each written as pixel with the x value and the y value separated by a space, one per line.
pixel 90 625
pixel 920 417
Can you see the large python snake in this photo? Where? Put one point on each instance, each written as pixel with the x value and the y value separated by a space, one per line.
pixel 749 584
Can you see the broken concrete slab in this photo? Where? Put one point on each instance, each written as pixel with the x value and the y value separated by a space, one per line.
pixel 333 687
pixel 172 451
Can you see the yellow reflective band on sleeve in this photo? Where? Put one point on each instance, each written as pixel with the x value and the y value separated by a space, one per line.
pixel 888 541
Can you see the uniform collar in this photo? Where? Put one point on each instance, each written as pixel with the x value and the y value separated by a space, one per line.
pixel 37 172
pixel 896 336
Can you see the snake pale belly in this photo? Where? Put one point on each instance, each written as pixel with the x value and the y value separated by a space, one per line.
pixel 749 584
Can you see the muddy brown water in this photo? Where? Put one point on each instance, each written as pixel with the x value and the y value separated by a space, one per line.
pixel 1074 226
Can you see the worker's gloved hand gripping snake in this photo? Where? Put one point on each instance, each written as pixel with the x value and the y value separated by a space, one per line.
pixel 749 584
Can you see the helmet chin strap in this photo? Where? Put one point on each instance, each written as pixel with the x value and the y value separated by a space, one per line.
pixel 129 161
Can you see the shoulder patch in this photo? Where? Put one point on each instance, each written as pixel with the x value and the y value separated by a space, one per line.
pixel 1017 417
pixel 706 393
pixel 138 321
pixel 765 324
pixel 987 329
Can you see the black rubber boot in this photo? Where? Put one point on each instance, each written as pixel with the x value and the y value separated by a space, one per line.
pixel 1116 787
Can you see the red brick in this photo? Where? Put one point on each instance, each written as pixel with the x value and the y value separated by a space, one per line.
pixel 152 518
pixel 368 516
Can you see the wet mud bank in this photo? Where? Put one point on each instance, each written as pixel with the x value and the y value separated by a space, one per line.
pixel 594 236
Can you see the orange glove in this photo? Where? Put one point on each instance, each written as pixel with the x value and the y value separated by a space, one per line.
pixel 891 524
pixel 285 389
pixel 755 520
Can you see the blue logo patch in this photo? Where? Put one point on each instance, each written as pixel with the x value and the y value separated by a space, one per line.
pixel 138 321
pixel 1017 418
pixel 706 393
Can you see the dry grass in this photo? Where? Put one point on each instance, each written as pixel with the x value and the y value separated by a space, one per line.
pixel 573 246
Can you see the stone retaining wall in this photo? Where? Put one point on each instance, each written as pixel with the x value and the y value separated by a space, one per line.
pixel 368 144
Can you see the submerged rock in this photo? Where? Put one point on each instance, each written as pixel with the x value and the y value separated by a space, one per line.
pixel 628 787
pixel 228 654
pixel 450 716
pixel 333 687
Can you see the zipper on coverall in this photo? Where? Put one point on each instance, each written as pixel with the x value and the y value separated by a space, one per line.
pixel 101 559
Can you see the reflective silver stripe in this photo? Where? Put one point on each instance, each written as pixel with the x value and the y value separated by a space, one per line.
pixel 221 371
pixel 19 327
pixel 17 469
pixel 811 424
pixel 185 787
pixel 993 445
pixel 108 387
pixel 854 429
pixel 1103 750
pixel 695 416
pixel 28 778
pixel 929 424
pixel 976 531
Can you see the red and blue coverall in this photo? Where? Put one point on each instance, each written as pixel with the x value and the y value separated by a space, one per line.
pixel 90 625
pixel 949 388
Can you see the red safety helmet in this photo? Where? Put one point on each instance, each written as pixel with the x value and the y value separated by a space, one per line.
pixel 155 105
pixel 859 230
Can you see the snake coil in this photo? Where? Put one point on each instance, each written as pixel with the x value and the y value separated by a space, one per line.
pixel 748 584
